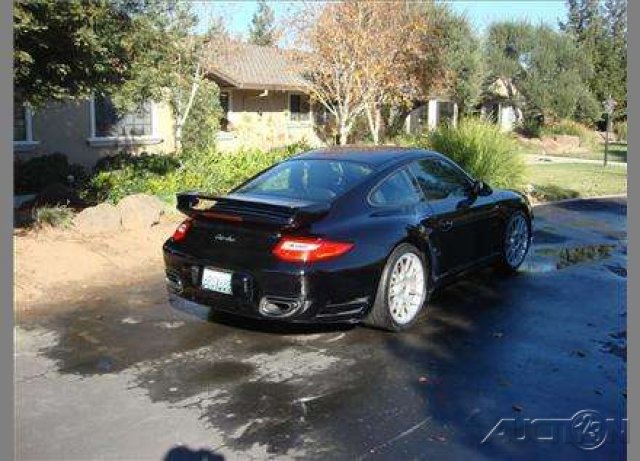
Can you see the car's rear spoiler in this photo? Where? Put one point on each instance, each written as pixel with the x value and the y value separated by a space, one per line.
pixel 251 209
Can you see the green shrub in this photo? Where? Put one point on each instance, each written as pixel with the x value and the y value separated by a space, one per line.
pixel 208 171
pixel 569 127
pixel 152 163
pixel 529 127
pixel 407 140
pixel 201 127
pixel 482 150
pixel 58 216
pixel 33 175
pixel 620 128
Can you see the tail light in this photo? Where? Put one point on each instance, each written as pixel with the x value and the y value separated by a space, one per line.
pixel 309 249
pixel 182 230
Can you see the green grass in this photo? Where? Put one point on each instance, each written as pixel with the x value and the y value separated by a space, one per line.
pixel 568 180
pixel 617 152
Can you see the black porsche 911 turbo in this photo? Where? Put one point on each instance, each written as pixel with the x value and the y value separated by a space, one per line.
pixel 343 235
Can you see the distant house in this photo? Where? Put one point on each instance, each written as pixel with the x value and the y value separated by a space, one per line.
pixel 436 111
pixel 498 105
pixel 265 101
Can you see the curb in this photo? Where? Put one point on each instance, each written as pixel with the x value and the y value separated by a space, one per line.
pixel 577 199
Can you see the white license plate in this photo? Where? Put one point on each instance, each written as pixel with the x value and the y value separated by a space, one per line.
pixel 215 280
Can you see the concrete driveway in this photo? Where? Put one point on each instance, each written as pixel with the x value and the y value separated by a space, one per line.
pixel 125 376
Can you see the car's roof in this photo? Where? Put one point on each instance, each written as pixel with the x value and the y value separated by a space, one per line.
pixel 375 156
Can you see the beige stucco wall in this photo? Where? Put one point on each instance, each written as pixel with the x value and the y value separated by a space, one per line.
pixel 262 121
pixel 66 128
pixel 255 122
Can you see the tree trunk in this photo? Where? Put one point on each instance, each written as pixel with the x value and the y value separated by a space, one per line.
pixel 374 117
pixel 344 132
pixel 178 137
pixel 377 125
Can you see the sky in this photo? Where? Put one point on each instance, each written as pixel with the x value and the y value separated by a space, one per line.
pixel 237 14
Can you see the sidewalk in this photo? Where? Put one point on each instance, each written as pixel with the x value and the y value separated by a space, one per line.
pixel 537 159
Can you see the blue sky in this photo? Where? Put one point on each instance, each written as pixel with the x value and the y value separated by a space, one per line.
pixel 238 13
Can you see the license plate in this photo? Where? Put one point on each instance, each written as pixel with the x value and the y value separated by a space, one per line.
pixel 216 280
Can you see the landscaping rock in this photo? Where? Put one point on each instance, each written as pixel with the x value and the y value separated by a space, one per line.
pixel 99 219
pixel 560 143
pixel 140 211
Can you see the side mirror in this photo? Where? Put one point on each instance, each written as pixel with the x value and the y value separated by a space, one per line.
pixel 481 188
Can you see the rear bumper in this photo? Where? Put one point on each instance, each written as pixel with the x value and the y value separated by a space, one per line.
pixel 283 293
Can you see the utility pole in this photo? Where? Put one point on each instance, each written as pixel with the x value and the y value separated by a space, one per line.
pixel 609 106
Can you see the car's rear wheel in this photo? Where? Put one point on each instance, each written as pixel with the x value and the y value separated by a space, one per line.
pixel 402 290
pixel 516 242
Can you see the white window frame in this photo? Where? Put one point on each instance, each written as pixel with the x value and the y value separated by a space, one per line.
pixel 299 122
pixel 102 141
pixel 28 143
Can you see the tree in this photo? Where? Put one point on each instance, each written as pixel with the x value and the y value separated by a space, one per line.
pixel 263 31
pixel 384 71
pixel 547 67
pixel 71 48
pixel 367 58
pixel 463 60
pixel 328 55
pixel 130 50
pixel 600 30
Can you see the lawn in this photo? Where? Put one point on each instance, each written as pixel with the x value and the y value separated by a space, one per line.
pixel 556 181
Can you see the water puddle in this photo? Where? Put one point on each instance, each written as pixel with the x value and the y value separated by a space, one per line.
pixel 549 259
pixel 570 256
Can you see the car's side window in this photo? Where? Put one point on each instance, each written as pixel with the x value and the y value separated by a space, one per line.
pixel 439 180
pixel 395 189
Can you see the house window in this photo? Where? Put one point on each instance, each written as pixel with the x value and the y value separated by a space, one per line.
pixel 110 123
pixel 19 119
pixel 22 125
pixel 224 105
pixel 446 112
pixel 299 107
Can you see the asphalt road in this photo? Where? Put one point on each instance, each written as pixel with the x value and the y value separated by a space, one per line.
pixel 123 375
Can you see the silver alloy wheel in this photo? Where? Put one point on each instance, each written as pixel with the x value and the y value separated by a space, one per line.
pixel 516 241
pixel 406 288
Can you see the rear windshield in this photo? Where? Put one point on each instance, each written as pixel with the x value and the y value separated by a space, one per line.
pixel 314 180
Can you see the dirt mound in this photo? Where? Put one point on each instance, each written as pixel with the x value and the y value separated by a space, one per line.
pixel 54 265
pixel 140 211
pixel 100 219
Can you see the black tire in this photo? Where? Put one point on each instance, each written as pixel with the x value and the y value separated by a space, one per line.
pixel 503 265
pixel 379 316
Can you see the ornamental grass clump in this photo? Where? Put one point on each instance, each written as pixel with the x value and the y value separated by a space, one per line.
pixel 484 151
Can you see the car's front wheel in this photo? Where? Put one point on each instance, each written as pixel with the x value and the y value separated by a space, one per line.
pixel 516 241
pixel 402 290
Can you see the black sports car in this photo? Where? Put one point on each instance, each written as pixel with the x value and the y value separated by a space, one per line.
pixel 343 235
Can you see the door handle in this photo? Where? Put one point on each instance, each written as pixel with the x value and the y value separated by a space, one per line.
pixel 446 225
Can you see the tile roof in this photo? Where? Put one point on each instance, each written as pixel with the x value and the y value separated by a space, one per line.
pixel 256 67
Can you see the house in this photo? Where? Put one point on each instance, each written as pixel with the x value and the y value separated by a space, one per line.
pixel 499 104
pixel 436 111
pixel 265 100
pixel 265 105
pixel 87 130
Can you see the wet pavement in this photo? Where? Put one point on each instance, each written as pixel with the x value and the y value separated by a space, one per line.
pixel 121 374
